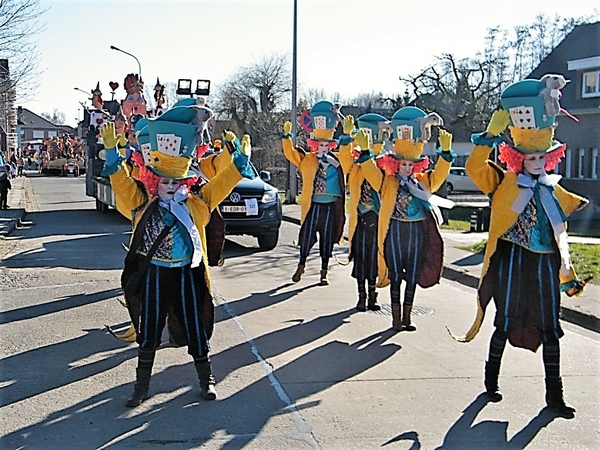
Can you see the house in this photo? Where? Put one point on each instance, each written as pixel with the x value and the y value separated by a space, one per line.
pixel 577 58
pixel 32 129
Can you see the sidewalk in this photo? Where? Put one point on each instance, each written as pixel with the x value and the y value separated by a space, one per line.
pixel 10 218
pixel 465 267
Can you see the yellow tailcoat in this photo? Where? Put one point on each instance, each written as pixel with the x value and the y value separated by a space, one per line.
pixel 132 197
pixel 492 179
pixel 387 185
pixel 308 165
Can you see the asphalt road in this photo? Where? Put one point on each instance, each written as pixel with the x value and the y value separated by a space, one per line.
pixel 297 366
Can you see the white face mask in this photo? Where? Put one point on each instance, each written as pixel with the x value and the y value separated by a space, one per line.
pixel 406 168
pixel 535 164
pixel 323 148
pixel 166 189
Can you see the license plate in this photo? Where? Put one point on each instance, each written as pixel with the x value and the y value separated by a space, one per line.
pixel 234 209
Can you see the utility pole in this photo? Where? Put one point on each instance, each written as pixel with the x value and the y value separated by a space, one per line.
pixel 292 190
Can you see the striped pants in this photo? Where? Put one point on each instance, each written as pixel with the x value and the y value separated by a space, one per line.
pixel 364 248
pixel 403 249
pixel 526 291
pixel 179 292
pixel 320 219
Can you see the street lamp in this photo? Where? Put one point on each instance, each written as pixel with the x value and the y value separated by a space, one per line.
pixel 81 90
pixel 112 47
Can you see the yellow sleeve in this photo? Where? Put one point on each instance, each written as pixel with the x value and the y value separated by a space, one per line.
pixel 129 194
pixel 484 173
pixel 292 155
pixel 346 157
pixel 372 173
pixel 213 164
pixel 569 202
pixel 435 178
pixel 219 187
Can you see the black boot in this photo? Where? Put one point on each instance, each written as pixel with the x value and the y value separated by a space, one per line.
pixel 372 304
pixel 362 301
pixel 298 273
pixel 207 381
pixel 491 382
pixel 555 400
pixel 142 381
pixel 406 323
pixel 140 390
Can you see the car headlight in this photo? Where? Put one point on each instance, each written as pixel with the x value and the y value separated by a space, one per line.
pixel 269 197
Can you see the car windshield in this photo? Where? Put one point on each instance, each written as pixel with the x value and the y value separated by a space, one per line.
pixel 254 171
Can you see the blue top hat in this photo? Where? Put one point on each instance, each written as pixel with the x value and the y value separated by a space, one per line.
pixel 324 117
pixel 525 105
pixel 143 136
pixel 404 125
pixel 185 102
pixel 173 133
pixel 376 126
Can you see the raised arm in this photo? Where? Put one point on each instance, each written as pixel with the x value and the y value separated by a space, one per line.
pixel 129 194
pixel 486 174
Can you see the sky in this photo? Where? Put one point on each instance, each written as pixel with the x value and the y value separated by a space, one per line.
pixel 348 47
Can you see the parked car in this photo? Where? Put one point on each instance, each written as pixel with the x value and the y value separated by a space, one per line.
pixel 459 181
pixel 254 208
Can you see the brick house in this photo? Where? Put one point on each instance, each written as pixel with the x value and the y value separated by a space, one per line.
pixel 577 58
pixel 32 129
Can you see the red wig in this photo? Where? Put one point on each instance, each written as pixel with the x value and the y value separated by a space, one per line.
pixel 313 144
pixel 389 164
pixel 137 158
pixel 514 158
pixel 150 180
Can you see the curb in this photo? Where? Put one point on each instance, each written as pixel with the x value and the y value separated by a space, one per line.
pixel 7 225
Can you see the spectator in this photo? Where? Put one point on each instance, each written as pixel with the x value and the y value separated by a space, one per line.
pixel 20 165
pixel 4 187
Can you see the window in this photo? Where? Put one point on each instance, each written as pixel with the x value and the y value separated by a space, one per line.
pixel 568 163
pixel 595 164
pixel 591 84
pixel 580 163
pixel 52 133
pixel 38 134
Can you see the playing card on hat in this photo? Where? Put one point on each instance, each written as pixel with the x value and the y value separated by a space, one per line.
pixel 405 132
pixel 523 117
pixel 167 144
pixel 320 122
pixel 145 149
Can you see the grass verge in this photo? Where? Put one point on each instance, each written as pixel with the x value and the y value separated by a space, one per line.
pixel 585 257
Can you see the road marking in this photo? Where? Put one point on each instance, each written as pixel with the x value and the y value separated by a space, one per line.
pixel 301 425
pixel 51 286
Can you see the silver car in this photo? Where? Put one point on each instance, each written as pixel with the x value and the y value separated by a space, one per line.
pixel 459 181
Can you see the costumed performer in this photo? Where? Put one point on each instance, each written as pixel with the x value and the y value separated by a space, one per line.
pixel 526 261
pixel 410 246
pixel 167 254
pixel 323 193
pixel 364 203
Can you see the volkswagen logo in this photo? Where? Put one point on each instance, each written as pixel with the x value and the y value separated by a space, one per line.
pixel 235 197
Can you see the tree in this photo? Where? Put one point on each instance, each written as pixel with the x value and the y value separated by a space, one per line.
pixel 19 24
pixel 462 92
pixel 465 92
pixel 256 97
pixel 56 117
pixel 256 101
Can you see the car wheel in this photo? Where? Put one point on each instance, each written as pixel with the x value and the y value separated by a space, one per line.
pixel 449 188
pixel 268 241
pixel 102 207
